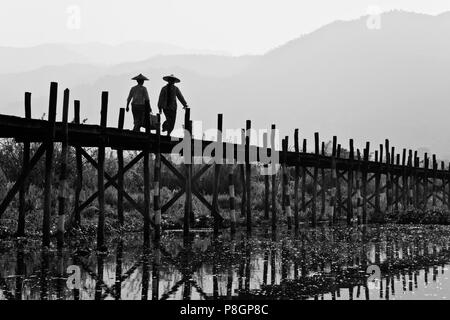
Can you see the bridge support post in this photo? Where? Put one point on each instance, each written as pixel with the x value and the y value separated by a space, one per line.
pixel 101 176
pixel 388 178
pixel 242 175
pixel 364 182
pixel 63 186
pixel 416 181
pixel 315 176
pixel 333 182
pixel 274 181
pixel 379 160
pixel 286 200
pixel 217 168
pixel 405 184
pixel 157 179
pixel 448 187
pixel 49 165
pixel 120 215
pixel 323 189
pixel 188 175
pixel 248 175
pixel 25 163
pixel 232 203
pixel 79 165
pixel 296 181
pixel 338 186
pixel 266 181
pixel 434 181
pixel 425 182
pixel 350 185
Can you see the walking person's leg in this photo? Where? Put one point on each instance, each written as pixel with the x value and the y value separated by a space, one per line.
pixel 135 111
pixel 172 118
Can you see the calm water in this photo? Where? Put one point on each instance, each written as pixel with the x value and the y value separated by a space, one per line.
pixel 326 263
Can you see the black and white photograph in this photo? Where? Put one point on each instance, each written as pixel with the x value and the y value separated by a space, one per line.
pixel 226 155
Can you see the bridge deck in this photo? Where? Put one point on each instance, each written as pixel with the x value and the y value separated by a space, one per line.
pixel 87 135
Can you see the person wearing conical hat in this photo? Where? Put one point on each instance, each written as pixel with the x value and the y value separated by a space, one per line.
pixel 168 102
pixel 139 101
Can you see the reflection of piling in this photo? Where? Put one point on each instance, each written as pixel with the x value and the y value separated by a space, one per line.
pixel 119 261
pixel 155 272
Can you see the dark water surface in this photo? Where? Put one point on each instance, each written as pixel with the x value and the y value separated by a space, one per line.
pixel 326 263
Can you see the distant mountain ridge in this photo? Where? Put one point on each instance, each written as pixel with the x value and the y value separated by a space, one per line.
pixel 23 59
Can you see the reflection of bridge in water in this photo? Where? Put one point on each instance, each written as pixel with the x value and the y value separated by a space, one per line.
pixel 326 263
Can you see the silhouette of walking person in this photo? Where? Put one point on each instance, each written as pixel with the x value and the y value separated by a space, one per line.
pixel 168 102
pixel 139 101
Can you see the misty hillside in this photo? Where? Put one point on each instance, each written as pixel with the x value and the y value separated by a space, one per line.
pixel 342 79
pixel 13 60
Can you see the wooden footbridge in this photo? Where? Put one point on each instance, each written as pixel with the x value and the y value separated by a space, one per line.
pixel 358 185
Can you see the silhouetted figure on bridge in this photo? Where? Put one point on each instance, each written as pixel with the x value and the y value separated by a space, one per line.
pixel 168 102
pixel 139 101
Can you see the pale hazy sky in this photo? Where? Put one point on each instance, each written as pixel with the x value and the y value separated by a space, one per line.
pixel 234 26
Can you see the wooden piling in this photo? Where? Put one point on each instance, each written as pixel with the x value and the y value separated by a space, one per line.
pixel 410 181
pixel 323 188
pixel 405 184
pixel 101 176
pixel 333 182
pixel 232 203
pixel 188 176
pixel 248 126
pixel 147 189
pixel 425 182
pixel 338 185
pixel 157 181
pixel 304 150
pixel 315 176
pixel 242 175
pixel 266 182
pixel 350 185
pixel 364 182
pixel 63 184
pixel 388 178
pixel 79 165
pixel 416 180
pixel 434 166
pixel 120 177
pixel 274 181
pixel 49 165
pixel 25 163
pixel 217 167
pixel 286 200
pixel 296 179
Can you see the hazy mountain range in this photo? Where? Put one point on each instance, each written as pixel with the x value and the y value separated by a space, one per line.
pixel 342 79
